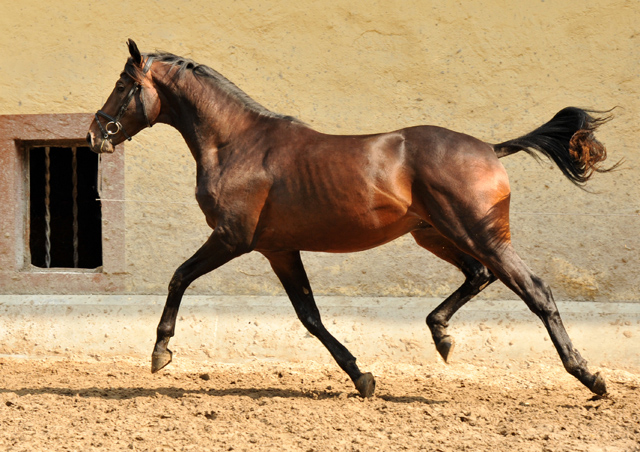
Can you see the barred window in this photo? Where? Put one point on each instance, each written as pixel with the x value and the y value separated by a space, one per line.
pixel 64 208
pixel 56 236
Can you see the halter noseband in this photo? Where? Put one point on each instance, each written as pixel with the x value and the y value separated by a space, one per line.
pixel 114 126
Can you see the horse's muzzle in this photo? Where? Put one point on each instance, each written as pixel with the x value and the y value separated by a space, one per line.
pixel 99 145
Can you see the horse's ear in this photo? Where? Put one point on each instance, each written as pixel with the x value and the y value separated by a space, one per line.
pixel 135 53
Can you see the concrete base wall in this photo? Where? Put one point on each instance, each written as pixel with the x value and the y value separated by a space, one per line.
pixel 236 329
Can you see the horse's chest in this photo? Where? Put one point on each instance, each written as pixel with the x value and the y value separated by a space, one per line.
pixel 230 197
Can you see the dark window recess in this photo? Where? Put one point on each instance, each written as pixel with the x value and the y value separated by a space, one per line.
pixel 65 226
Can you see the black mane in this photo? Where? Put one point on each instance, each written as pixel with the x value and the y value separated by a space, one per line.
pixel 186 65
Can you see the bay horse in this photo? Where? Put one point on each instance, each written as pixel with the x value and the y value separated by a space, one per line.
pixel 269 183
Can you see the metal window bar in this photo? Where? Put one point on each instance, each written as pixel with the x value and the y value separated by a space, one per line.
pixel 47 200
pixel 74 195
pixel 47 205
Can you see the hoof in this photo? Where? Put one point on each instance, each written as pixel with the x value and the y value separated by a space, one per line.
pixel 445 347
pixel 366 384
pixel 160 360
pixel 598 386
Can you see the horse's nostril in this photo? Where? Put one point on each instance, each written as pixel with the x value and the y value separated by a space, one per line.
pixel 89 138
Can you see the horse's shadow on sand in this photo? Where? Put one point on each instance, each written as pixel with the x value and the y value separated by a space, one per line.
pixel 128 393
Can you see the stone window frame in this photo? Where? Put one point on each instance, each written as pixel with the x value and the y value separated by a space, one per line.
pixel 18 133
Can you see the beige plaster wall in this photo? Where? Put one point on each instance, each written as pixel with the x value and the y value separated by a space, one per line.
pixel 493 69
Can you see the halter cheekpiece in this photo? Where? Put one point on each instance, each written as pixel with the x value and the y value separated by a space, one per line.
pixel 114 126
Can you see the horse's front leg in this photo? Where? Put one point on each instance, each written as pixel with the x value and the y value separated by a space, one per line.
pixel 213 254
pixel 287 265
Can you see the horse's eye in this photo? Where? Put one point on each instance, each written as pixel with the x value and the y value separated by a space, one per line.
pixel 120 87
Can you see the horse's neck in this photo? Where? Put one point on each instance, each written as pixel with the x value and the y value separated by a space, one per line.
pixel 206 117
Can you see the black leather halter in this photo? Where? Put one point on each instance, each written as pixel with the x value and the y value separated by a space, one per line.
pixel 114 126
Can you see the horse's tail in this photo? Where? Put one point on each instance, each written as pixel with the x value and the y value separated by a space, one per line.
pixel 568 139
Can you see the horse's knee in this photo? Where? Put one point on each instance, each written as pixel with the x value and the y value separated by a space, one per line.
pixel 310 318
pixel 313 325
pixel 177 281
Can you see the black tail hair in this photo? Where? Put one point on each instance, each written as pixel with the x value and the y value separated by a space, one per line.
pixel 568 139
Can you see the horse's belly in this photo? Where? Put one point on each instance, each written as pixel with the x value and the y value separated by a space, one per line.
pixel 337 236
pixel 340 211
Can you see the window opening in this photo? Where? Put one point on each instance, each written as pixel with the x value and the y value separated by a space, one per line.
pixel 65 215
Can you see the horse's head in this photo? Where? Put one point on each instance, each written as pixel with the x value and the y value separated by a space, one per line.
pixel 132 105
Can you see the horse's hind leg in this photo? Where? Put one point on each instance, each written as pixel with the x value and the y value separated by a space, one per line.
pixel 214 253
pixel 289 269
pixel 514 273
pixel 482 231
pixel 478 277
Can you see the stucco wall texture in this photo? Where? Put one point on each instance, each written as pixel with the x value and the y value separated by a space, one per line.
pixel 492 69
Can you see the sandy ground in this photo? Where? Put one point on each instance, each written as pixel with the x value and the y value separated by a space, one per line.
pixel 63 404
